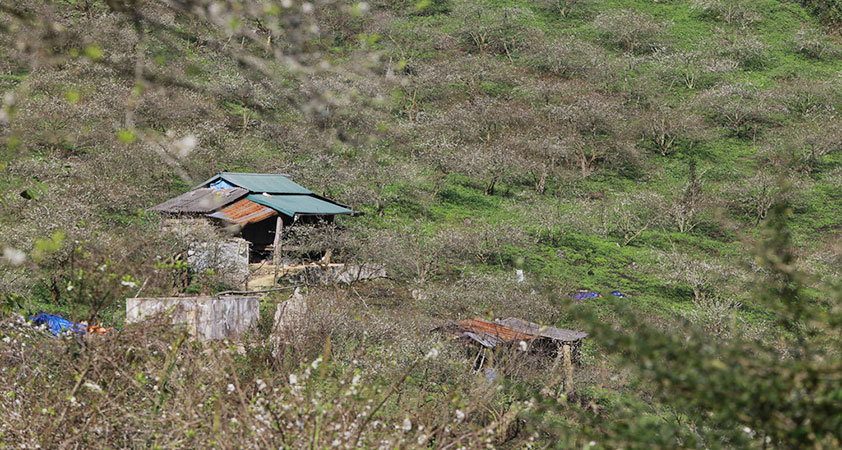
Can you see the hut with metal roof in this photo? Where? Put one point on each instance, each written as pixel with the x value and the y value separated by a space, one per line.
pixel 258 206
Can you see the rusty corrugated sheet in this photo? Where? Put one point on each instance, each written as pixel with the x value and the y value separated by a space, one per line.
pixel 243 212
pixel 203 200
pixel 558 334
pixel 491 334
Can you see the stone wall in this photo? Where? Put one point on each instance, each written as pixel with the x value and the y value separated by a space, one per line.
pixel 228 259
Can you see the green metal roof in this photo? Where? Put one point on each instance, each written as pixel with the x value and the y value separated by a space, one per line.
pixel 261 182
pixel 298 204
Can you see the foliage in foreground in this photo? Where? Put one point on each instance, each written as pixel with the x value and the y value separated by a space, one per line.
pixel 383 382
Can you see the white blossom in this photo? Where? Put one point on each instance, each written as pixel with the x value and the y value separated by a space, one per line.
pixel 13 256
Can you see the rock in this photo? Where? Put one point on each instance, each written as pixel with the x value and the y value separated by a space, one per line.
pixel 289 317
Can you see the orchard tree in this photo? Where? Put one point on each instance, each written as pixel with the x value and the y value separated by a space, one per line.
pixel 666 127
pixel 598 125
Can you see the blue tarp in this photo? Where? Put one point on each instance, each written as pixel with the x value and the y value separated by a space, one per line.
pixel 221 184
pixel 57 324
pixel 585 295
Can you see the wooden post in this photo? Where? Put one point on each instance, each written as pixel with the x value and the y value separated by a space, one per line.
pixel 277 254
pixel 567 365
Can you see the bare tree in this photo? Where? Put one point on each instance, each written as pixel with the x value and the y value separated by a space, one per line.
pixel 597 124
pixel 755 195
pixel 814 44
pixel 493 30
pixel 665 126
pixel 703 277
pixel 732 12
pixel 565 57
pixel 630 215
pixel 743 109
pixel 693 69
pixel 747 50
pixel 563 8
pixel 631 31
pixel 686 209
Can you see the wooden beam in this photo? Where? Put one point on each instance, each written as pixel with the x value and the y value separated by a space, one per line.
pixel 277 253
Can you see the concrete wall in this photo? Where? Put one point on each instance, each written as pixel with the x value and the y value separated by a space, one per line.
pixel 228 258
pixel 207 318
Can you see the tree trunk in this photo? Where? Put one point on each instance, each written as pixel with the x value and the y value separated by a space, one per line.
pixel 489 189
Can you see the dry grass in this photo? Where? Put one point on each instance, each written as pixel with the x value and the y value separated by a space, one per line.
pixel 348 378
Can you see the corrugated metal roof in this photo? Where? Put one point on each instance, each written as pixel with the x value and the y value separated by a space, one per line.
pixel 202 200
pixel 491 334
pixel 244 211
pixel 559 334
pixel 299 204
pixel 260 182
pixel 490 329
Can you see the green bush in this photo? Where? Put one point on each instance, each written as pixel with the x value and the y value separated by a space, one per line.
pixel 829 11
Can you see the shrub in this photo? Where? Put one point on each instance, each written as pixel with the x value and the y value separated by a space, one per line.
pixel 566 57
pixel 597 123
pixel 416 7
pixel 486 295
pixel 150 383
pixel 703 277
pixel 564 8
pixel 813 44
pixel 807 98
pixel 829 11
pixel 805 150
pixel 718 317
pixel 732 12
pixel 493 30
pixel 544 157
pixel 666 127
pixel 693 69
pixel 630 31
pixel 748 51
pixel 755 196
pixel 742 109
pixel 629 215
pixel 687 207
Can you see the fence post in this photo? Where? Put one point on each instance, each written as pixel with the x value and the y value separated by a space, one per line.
pixel 567 364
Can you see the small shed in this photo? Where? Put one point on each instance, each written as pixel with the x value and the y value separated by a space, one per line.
pixel 510 331
pixel 258 208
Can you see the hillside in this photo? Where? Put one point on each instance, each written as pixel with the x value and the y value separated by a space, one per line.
pixel 687 154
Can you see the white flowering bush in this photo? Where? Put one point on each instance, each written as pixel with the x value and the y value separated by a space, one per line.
pixel 171 391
